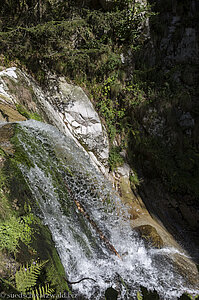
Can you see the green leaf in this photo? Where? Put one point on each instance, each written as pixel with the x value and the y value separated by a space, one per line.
pixel 26 277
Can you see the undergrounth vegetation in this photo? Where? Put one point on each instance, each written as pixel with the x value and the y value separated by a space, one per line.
pixel 145 102
pixel 29 262
pixel 103 48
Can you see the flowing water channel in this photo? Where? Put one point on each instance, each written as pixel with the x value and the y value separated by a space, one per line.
pixel 86 218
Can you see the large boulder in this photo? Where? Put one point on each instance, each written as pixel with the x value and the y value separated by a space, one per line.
pixel 79 116
pixel 63 105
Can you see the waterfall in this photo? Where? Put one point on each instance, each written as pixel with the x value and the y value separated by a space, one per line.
pixel 61 177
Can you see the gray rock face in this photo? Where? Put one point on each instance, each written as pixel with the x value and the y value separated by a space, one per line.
pixel 80 117
pixel 154 123
pixel 63 105
pixel 186 121
pixel 179 40
pixel 185 49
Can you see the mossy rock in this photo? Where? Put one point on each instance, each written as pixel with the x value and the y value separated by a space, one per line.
pixel 111 294
pixel 10 114
pixel 17 200
pixel 44 250
pixel 6 133
pixel 149 295
pixel 7 264
pixel 149 233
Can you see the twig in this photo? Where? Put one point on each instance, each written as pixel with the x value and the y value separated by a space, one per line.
pixel 74 282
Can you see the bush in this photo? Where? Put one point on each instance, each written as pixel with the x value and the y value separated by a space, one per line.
pixel 115 159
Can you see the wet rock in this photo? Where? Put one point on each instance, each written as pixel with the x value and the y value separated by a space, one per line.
pixel 9 114
pixel 7 265
pixel 6 132
pixel 111 294
pixel 186 268
pixel 149 233
pixel 140 219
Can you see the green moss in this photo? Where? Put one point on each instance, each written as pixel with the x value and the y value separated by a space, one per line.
pixel 134 180
pixel 5 209
pixel 29 115
pixel 46 251
pixel 37 241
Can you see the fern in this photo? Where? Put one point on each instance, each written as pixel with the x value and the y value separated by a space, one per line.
pixel 14 230
pixel 26 277
pixel 139 295
pixel 41 292
pixel 192 297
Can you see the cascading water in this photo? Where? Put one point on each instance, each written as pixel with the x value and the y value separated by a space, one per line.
pixel 61 177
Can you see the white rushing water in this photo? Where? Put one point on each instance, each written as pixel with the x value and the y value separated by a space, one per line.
pixel 62 173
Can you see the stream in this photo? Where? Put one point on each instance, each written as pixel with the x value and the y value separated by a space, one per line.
pixel 86 218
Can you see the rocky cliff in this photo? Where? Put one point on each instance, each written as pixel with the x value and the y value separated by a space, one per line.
pixel 167 142
pixel 139 66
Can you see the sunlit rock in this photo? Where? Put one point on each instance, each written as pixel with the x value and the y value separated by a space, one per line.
pixel 80 117
pixel 64 105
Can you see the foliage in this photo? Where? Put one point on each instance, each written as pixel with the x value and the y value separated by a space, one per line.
pixel 88 45
pixel 41 292
pixel 26 280
pixel 192 297
pixel 26 277
pixel 81 42
pixel 134 180
pixel 74 40
pixel 16 230
pixel 139 295
pixel 115 158
pixel 115 99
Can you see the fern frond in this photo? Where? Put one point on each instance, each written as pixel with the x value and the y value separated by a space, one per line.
pixel 139 295
pixel 26 277
pixel 41 292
